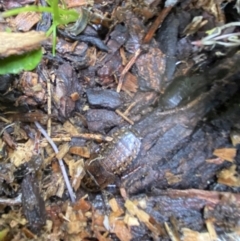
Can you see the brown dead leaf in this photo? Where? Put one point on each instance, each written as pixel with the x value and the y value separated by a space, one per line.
pixel 19 43
pixel 227 154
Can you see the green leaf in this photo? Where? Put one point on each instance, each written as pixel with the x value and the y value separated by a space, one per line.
pixel 16 63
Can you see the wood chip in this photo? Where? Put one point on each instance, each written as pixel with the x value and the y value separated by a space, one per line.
pixel 63 150
pixel 121 231
pixel 113 204
pixel 82 204
pixel 172 179
pixel 227 154
pixel 130 83
pixel 76 171
pixel 70 128
pixel 229 177
pixel 77 221
pixel 123 193
pixel 75 96
pixel 211 229
pixel 235 137
pixel 190 235
pixel 142 216
pixel 23 153
pixel 80 151
pixel 25 21
pixel 171 233
pixel 130 220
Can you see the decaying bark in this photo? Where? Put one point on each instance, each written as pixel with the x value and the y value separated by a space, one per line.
pixel 171 143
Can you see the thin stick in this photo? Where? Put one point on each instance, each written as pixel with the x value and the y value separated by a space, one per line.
pixel 162 15
pixel 60 161
pixel 124 117
pixel 126 112
pixel 126 69
pixel 145 40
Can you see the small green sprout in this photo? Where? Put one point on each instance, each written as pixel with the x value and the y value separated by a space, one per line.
pixel 60 16
pixel 215 36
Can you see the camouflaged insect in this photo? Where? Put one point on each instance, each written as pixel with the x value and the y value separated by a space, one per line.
pixel 113 160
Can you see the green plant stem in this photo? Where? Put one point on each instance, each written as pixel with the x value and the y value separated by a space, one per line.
pixel 50 30
pixel 54 40
pixel 70 15
pixel 16 11
pixel 59 16
pixel 55 13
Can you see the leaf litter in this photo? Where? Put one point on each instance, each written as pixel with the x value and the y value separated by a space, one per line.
pixel 129 67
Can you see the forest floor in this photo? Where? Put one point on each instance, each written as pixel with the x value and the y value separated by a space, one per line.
pixel 128 129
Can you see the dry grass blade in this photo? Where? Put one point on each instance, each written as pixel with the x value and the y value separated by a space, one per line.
pixel 19 43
